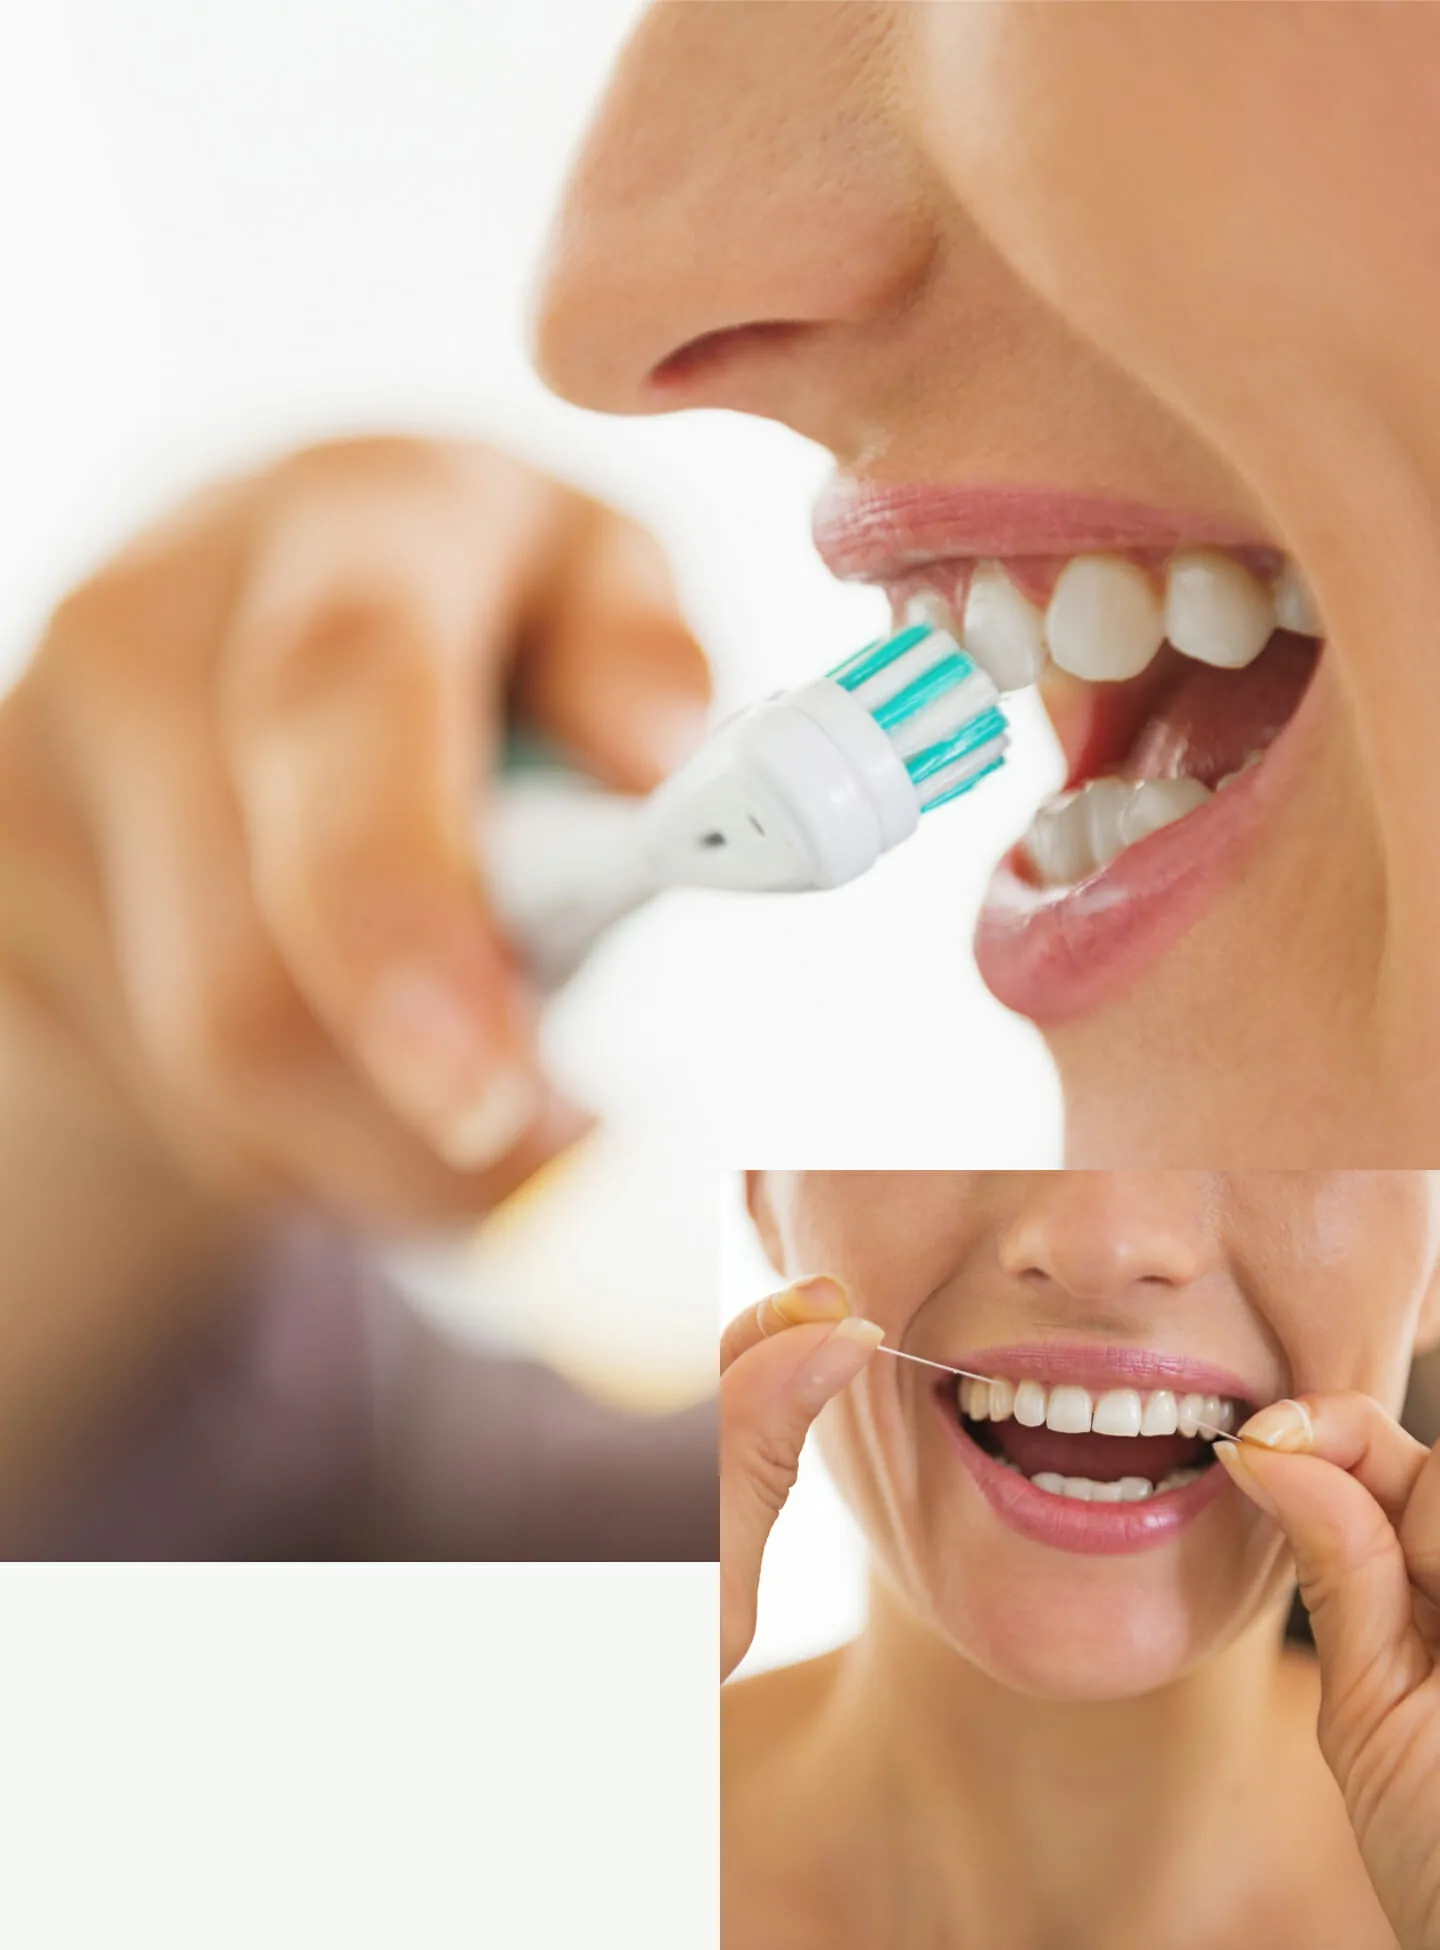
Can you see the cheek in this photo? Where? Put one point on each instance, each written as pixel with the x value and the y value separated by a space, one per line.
pixel 892 1237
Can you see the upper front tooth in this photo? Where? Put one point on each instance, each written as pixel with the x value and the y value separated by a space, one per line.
pixel 975 1398
pixel 1105 620
pixel 1117 1412
pixel 1161 1416
pixel 1191 1409
pixel 1068 1410
pixel 1002 1400
pixel 1294 605
pixel 1002 629
pixel 1030 1404
pixel 929 606
pixel 1215 610
pixel 1159 802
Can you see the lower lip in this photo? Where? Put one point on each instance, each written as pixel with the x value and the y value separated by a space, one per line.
pixel 1096 1529
pixel 1052 953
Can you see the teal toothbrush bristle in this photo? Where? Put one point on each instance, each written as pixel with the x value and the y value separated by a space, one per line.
pixel 938 708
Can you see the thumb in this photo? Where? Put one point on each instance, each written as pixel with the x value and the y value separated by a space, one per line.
pixel 1354 1584
pixel 613 673
pixel 768 1400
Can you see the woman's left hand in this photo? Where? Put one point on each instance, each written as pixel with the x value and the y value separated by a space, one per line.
pixel 1359 1502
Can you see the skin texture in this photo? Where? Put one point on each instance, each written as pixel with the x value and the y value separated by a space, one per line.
pixel 995 1673
pixel 1185 255
pixel 245 957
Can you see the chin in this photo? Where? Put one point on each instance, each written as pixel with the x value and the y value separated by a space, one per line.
pixel 1054 1641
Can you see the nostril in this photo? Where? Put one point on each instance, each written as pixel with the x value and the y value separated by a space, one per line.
pixel 702 357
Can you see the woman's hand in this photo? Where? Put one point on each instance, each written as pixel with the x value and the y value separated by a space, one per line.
pixel 238 792
pixel 1359 1502
pixel 780 1362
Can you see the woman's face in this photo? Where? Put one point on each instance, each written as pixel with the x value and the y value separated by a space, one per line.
pixel 1106 1295
pixel 1078 291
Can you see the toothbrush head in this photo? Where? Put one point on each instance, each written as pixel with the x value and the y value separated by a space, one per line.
pixel 809 788
pixel 939 710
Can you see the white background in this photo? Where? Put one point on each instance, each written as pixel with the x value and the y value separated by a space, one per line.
pixel 312 1757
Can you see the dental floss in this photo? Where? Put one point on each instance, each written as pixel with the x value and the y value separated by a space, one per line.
pixel 1205 1428
pixel 943 1366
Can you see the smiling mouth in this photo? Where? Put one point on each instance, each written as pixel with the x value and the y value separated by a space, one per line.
pixel 1121 1445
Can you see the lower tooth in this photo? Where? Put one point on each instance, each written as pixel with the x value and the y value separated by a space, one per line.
pixel 1157 803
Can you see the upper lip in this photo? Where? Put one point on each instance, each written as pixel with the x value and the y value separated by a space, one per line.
pixel 1096 1366
pixel 871 533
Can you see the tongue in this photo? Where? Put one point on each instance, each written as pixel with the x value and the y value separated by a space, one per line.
pixel 1103 1458
pixel 1206 722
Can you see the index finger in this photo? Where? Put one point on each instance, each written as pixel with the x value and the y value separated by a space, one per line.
pixel 820 1297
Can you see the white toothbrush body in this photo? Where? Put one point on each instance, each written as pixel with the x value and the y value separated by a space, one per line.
pixel 805 790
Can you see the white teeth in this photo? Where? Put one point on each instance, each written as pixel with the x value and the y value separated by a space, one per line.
pixel 1190 1410
pixel 1003 630
pixel 1156 803
pixel 1105 620
pixel 1129 1489
pixel 1160 1417
pixel 1076 833
pixel 1058 841
pixel 1071 1410
pixel 1068 1411
pixel 1030 1404
pixel 1215 610
pixel 1294 605
pixel 1105 801
pixel 1118 1412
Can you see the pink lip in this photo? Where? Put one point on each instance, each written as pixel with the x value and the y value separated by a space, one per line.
pixel 876 534
pixel 1091 1365
pixel 1054 953
pixel 1101 1529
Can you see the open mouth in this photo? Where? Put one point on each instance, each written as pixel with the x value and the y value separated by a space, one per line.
pixel 1098 1450
pixel 1170 665
pixel 1124 1445
pixel 1167 678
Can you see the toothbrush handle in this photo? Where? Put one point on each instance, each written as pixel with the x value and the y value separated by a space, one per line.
pixel 563 861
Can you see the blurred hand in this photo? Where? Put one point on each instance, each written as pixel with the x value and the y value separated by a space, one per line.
pixel 1359 1502
pixel 238 791
pixel 780 1362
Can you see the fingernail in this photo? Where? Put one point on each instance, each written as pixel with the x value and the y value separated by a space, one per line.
pixel 1283 1425
pixel 839 1357
pixel 1236 1464
pixel 436 1065
pixel 491 1127
pixel 821 1297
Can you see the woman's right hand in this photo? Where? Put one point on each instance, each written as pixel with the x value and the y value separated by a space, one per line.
pixel 238 796
pixel 780 1363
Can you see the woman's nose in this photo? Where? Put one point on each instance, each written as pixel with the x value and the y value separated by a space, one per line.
pixel 1098 1235
pixel 741 204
